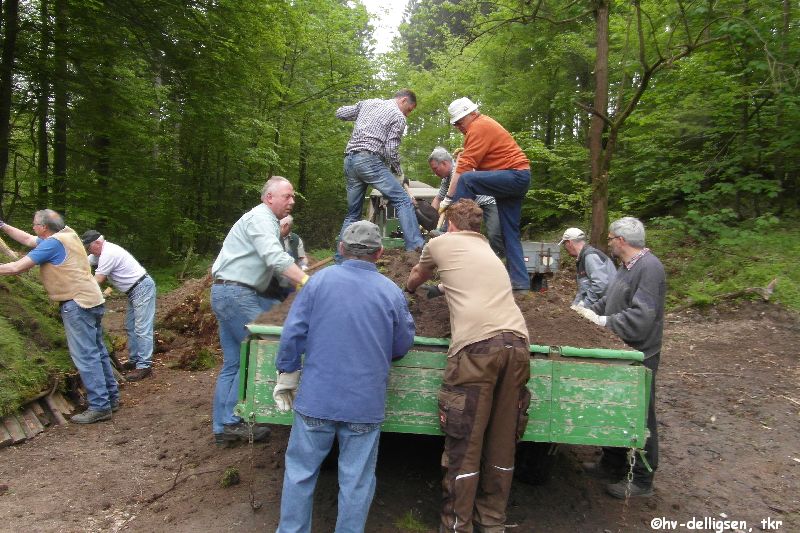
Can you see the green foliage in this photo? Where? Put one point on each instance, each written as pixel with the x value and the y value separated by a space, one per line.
pixel 699 269
pixel 33 348
pixel 410 522
pixel 204 360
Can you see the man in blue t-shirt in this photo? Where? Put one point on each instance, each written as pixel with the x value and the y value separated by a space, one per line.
pixel 65 274
pixel 351 322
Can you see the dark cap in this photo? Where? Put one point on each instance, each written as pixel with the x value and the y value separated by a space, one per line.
pixel 90 236
pixel 362 238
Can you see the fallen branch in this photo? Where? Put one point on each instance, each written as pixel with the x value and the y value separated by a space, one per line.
pixel 176 481
pixel 790 399
pixel 764 292
pixel 678 372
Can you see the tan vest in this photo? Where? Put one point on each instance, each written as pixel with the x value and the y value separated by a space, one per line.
pixel 72 279
pixel 477 288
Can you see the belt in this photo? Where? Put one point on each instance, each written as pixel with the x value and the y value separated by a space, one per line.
pixel 237 283
pixel 136 283
pixel 361 152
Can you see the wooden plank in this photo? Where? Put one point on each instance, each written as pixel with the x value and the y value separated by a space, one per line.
pixel 40 413
pixel 30 424
pixel 62 403
pixel 54 409
pixel 5 437
pixel 14 429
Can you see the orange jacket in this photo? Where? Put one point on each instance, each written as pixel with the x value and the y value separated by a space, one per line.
pixel 488 146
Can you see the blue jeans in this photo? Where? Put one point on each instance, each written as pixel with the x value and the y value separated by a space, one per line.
pixel 139 322
pixel 234 308
pixel 309 443
pixel 362 169
pixel 508 188
pixel 88 351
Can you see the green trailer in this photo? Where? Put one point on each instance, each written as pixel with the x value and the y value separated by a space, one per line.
pixel 578 396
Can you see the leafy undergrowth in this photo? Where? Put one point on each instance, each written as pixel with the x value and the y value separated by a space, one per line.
pixel 704 271
pixel 33 348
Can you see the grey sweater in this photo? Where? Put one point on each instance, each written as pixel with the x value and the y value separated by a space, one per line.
pixel 634 304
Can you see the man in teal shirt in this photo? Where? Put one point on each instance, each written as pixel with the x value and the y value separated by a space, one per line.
pixel 251 255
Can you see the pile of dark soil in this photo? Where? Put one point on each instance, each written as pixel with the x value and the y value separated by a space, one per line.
pixel 550 320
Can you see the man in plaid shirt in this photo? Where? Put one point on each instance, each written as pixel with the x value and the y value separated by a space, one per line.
pixel 372 159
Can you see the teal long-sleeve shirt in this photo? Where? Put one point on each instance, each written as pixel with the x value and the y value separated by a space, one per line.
pixel 252 252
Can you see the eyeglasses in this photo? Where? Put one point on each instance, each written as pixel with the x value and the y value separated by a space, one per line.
pixel 612 238
pixel 37 224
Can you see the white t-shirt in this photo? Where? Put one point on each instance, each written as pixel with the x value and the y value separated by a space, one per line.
pixel 119 266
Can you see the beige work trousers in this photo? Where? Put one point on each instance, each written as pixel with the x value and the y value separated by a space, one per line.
pixel 483 411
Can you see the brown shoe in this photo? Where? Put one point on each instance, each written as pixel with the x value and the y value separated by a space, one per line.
pixel 128 365
pixel 138 374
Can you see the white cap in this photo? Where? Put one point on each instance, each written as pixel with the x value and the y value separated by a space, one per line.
pixel 572 234
pixel 460 108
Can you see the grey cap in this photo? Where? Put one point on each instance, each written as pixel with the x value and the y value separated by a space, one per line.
pixel 90 236
pixel 362 238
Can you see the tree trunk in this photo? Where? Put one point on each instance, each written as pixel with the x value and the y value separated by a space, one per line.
pixel 598 168
pixel 60 109
pixel 11 30
pixel 302 179
pixel 42 110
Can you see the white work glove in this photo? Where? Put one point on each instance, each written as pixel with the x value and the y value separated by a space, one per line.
pixel 444 204
pixel 286 389
pixel 590 315
pixel 108 291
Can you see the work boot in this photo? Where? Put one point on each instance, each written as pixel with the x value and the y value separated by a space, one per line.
pixel 138 374
pixel 242 431
pixel 115 406
pixel 619 490
pixel 128 365
pixel 90 416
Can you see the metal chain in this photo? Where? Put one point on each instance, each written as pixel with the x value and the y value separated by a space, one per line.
pixel 254 505
pixel 628 483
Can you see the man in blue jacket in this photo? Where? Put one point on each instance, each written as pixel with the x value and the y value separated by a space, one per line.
pixel 351 322
pixel 594 269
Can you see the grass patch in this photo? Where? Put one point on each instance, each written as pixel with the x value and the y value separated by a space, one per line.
pixel 168 278
pixel 410 522
pixel 33 346
pixel 230 477
pixel 205 360
pixel 699 271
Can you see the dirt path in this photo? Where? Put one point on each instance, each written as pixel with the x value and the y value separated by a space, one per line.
pixel 729 422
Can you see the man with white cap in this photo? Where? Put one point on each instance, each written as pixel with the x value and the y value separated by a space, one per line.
pixel 350 322
pixel 594 269
pixel 493 164
pixel 117 265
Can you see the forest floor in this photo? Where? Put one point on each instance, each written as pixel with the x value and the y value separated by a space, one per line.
pixel 729 422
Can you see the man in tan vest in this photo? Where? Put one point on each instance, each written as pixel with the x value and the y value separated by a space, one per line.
pixel 68 280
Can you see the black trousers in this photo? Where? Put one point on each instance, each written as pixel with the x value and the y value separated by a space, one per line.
pixel 617 457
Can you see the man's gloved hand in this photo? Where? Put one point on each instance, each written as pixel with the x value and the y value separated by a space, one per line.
pixel 302 282
pixel 590 315
pixel 444 204
pixel 432 291
pixel 286 390
pixel 107 292
pixel 2 223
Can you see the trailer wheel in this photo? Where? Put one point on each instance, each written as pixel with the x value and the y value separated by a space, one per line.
pixel 534 462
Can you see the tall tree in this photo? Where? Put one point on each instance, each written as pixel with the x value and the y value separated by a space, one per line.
pixel 10 31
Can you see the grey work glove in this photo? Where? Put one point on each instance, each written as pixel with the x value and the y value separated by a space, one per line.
pixel 433 291
pixel 590 315
pixel 286 390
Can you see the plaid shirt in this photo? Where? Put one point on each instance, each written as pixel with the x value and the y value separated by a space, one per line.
pixel 379 127
pixel 642 252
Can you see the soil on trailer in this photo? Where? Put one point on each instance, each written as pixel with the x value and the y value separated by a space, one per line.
pixel 729 420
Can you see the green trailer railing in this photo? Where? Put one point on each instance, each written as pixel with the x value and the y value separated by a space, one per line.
pixel 578 396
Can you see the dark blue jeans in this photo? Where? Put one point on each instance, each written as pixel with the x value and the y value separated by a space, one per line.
pixel 364 169
pixel 508 188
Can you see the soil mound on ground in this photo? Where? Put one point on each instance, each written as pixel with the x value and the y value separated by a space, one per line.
pixel 550 320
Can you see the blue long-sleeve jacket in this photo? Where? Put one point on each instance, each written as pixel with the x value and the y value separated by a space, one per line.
pixel 350 321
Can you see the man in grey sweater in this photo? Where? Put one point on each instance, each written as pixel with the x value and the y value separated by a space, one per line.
pixel 633 308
